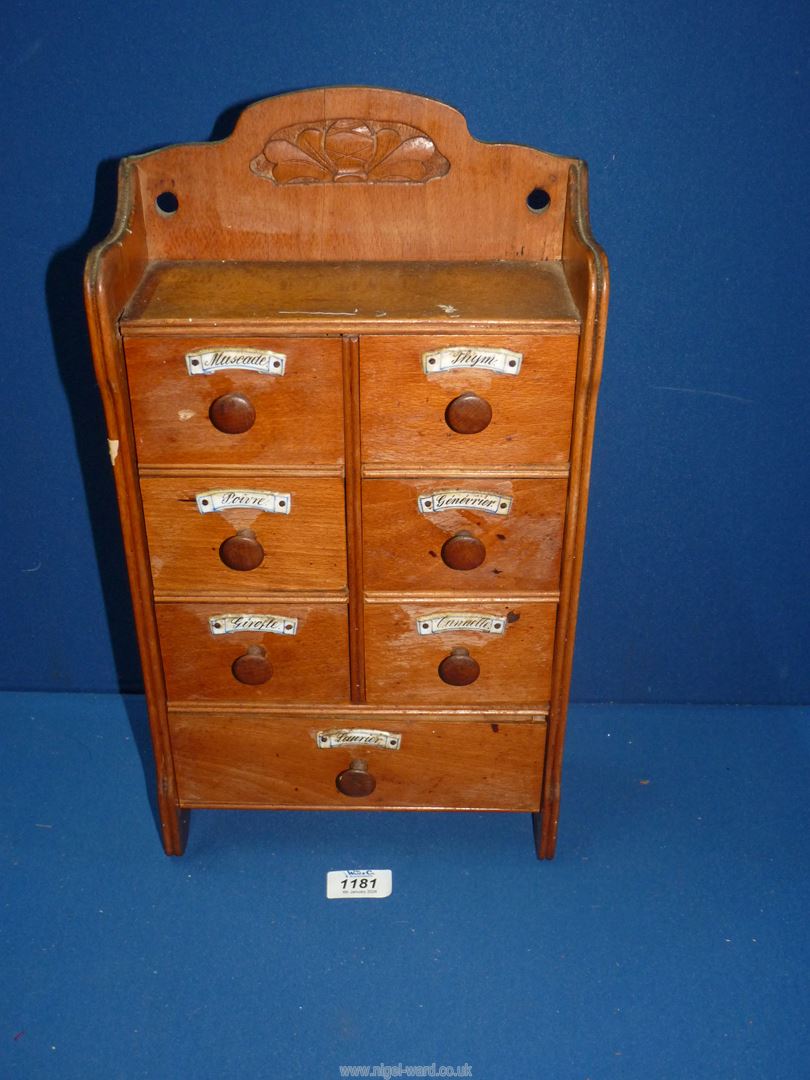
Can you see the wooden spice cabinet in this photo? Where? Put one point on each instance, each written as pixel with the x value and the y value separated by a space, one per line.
pixel 349 359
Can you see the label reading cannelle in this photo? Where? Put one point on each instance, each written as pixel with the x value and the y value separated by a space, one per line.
pixel 502 361
pixel 340 737
pixel 209 361
pixel 252 623
pixel 447 621
pixel 488 502
pixel 269 502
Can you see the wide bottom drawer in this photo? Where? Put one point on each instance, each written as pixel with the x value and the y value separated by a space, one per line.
pixel 253 761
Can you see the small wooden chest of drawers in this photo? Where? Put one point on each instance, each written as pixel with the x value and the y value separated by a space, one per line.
pixel 349 360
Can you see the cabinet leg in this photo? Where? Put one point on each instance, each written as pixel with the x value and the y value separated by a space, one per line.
pixel 545 834
pixel 174 828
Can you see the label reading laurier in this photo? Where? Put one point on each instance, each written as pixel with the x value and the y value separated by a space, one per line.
pixel 338 737
pixel 209 361
pixel 488 502
pixel 448 621
pixel 502 361
pixel 254 624
pixel 269 502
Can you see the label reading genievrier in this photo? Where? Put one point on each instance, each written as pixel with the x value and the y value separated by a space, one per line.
pixel 269 502
pixel 209 361
pixel 342 737
pixel 502 361
pixel 447 621
pixel 488 502
pixel 249 622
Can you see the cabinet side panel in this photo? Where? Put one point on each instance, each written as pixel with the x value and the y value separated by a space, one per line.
pixel 113 270
pixel 586 268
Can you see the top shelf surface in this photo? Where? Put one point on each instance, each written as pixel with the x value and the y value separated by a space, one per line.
pixel 346 297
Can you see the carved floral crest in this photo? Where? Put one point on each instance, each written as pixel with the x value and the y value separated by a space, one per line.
pixel 350 151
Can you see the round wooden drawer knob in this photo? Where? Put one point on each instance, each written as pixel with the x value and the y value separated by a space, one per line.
pixel 252 668
pixel 232 413
pixel 463 551
pixel 468 414
pixel 459 668
pixel 356 781
pixel 242 551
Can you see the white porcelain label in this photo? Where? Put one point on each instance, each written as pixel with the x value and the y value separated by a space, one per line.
pixel 448 621
pixel 488 502
pixel 270 502
pixel 209 361
pixel 254 624
pixel 338 737
pixel 503 361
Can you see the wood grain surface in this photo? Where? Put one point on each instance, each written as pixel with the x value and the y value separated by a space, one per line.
pixel 402 546
pixel 299 419
pixel 403 409
pixel 402 665
pixel 233 760
pixel 239 297
pixel 476 210
pixel 310 666
pixel 305 549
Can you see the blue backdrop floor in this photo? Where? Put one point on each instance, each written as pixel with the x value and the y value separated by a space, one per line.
pixel 668 939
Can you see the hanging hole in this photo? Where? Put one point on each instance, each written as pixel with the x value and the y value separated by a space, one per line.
pixel 537 200
pixel 167 203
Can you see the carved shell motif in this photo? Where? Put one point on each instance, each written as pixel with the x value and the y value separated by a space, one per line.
pixel 350 151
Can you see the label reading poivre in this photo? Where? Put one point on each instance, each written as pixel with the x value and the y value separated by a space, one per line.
pixel 269 502
pixel 248 622
pixel 488 502
pixel 350 884
pixel 342 737
pixel 209 361
pixel 502 361
pixel 448 621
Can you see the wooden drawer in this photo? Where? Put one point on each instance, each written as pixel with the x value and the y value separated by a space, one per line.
pixel 404 409
pixel 248 760
pixel 512 643
pixel 298 415
pixel 267 652
pixel 303 549
pixel 407 523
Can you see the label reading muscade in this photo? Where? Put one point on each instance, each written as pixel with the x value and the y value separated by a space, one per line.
pixel 337 737
pixel 447 621
pixel 269 502
pixel 502 361
pixel 254 624
pixel 209 361
pixel 488 502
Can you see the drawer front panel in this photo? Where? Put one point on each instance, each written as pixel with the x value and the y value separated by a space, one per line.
pixel 404 547
pixel 404 410
pixel 298 416
pixel 513 653
pixel 254 761
pixel 304 657
pixel 302 549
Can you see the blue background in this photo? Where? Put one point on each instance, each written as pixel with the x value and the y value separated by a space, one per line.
pixel 693 119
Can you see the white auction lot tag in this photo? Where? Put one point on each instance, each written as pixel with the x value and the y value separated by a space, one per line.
pixel 348 883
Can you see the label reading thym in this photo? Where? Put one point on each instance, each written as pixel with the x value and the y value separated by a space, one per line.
pixel 502 361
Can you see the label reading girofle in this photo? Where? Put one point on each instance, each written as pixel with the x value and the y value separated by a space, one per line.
pixel 248 622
